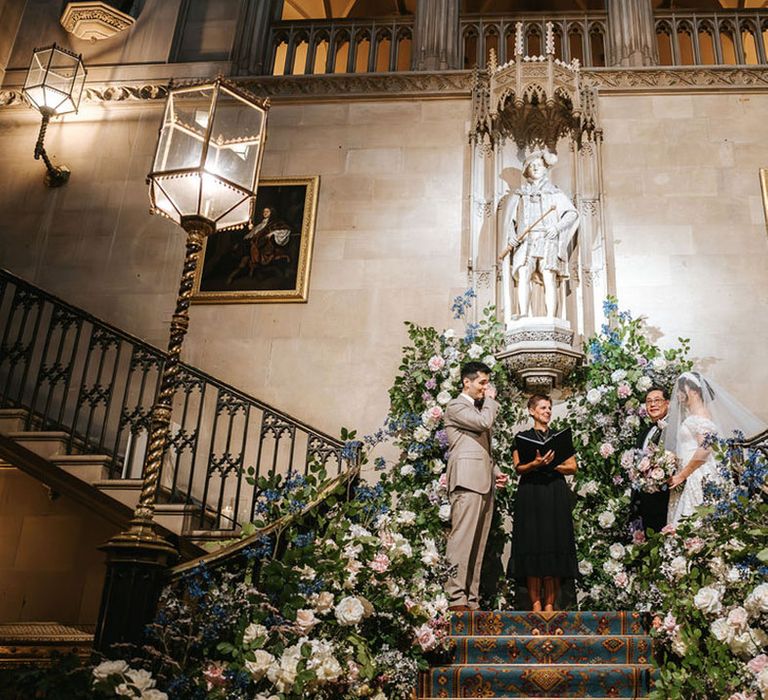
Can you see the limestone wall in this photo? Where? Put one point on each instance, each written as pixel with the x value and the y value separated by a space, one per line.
pixel 683 201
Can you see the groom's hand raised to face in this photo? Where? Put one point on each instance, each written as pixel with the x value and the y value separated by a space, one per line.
pixel 490 391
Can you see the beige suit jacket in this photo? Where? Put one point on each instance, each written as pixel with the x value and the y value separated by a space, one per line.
pixel 470 465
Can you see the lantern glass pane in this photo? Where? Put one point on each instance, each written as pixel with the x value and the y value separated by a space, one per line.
pixel 160 201
pixel 236 139
pixel 184 193
pixel 218 198
pixel 37 68
pixel 184 130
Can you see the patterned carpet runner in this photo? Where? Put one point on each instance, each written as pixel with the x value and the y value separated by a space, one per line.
pixel 543 655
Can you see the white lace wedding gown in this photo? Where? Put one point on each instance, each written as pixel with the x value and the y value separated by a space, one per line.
pixel 685 498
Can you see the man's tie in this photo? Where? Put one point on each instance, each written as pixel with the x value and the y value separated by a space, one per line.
pixel 479 404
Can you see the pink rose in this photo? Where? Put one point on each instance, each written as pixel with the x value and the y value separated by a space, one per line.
pixel 621 579
pixel 738 619
pixel 624 390
pixel 668 530
pixel 434 414
pixel 606 450
pixel 436 363
pixel 657 474
pixel 644 464
pixel 306 619
pixel 742 696
pixel 214 675
pixel 757 664
pixel 693 545
pixel 425 637
pixel 443 481
pixel 386 539
pixel 638 537
pixel 380 563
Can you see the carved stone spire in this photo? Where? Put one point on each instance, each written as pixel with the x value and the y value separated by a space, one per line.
pixel 436 35
pixel 632 33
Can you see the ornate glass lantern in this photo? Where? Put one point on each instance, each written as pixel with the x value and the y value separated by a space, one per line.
pixel 209 155
pixel 54 86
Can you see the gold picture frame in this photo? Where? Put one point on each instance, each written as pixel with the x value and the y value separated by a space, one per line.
pixel 271 261
pixel 764 189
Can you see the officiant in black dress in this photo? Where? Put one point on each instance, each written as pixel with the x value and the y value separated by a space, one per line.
pixel 543 544
pixel 651 508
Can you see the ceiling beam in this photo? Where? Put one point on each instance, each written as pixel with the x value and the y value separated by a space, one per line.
pixel 327 9
pixel 400 6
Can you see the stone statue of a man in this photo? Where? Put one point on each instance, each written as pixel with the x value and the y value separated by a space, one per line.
pixel 540 224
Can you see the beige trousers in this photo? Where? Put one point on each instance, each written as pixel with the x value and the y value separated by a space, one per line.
pixel 470 524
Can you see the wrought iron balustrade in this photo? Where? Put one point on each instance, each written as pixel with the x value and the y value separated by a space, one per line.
pixel 712 38
pixel 580 36
pixel 77 374
pixel 340 46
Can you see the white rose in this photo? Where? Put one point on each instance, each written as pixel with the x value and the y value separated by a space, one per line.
pixel 260 665
pixel 109 668
pixel 585 567
pixel 595 592
pixel 747 643
pixel 421 434
pixel 154 694
pixel 430 556
pixel 611 567
pixel 679 566
pixel 444 397
pixel 594 396
pixel 489 360
pixel 140 678
pixel 437 466
pixel 606 519
pixel 406 517
pixel 679 646
pixel 738 618
pixel 644 383
pixel 708 600
pixel 283 673
pixel 401 546
pixel 588 488
pixel 407 470
pixel 757 601
pixel 762 682
pixel 445 512
pixel 721 630
pixel 732 575
pixel 253 632
pixel 306 620
pixel 617 375
pixel 659 363
pixel 454 373
pixel 475 351
pixel 617 551
pixel 449 333
pixel 323 602
pixel 327 668
pixel 349 611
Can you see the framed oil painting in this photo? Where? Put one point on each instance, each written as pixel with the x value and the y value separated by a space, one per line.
pixel 271 261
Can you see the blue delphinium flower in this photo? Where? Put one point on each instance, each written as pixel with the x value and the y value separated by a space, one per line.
pixel 471 333
pixel 610 306
pixel 462 303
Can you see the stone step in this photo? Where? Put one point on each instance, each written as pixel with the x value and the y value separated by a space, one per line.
pixel 12 420
pixel 126 491
pixel 536 681
pixel 497 623
pixel 552 649
pixel 89 468
pixel 46 444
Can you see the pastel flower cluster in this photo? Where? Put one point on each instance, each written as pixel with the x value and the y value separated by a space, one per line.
pixel 649 470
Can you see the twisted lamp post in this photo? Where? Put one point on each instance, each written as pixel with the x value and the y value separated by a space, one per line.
pixel 54 86
pixel 204 177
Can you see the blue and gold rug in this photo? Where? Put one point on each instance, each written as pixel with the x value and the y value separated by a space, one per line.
pixel 543 655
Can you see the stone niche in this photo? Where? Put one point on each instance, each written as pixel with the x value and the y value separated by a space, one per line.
pixel 93 20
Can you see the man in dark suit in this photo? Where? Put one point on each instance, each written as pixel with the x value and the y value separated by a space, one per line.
pixel 652 507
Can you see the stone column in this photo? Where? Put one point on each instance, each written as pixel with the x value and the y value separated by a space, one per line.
pixel 252 41
pixel 632 34
pixel 436 35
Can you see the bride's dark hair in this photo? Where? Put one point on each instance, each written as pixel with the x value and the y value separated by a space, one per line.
pixel 693 381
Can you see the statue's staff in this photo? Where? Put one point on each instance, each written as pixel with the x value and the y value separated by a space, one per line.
pixel 511 247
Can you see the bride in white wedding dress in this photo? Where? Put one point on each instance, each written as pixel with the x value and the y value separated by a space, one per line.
pixel 699 412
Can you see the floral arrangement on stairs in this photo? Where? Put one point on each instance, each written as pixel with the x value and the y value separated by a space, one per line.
pixel 346 601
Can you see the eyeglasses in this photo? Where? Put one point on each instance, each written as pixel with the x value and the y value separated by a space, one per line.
pixel 654 402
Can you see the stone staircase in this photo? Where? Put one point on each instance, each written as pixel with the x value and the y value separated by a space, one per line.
pixel 543 655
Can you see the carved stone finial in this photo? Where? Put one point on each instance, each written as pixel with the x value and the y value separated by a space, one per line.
pixel 492 62
pixel 549 42
pixel 519 39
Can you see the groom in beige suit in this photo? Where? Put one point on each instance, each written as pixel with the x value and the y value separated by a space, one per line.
pixel 471 476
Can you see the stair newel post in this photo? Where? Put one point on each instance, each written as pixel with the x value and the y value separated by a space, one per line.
pixel 204 177
pixel 138 558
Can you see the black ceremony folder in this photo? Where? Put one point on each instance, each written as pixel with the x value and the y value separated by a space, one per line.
pixel 561 442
